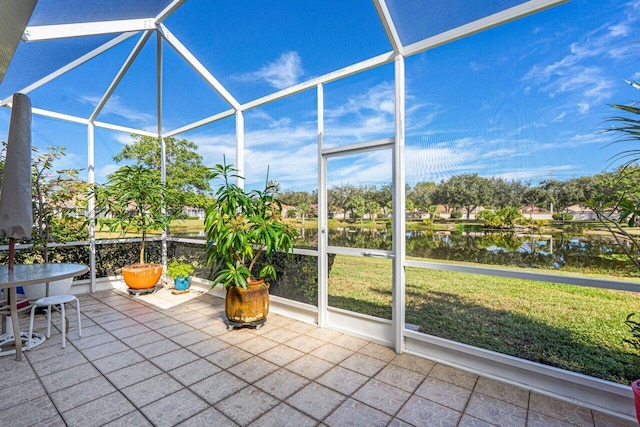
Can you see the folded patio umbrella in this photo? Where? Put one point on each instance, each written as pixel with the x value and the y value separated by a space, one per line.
pixel 16 209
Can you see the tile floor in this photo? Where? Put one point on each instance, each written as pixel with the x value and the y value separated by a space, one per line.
pixel 167 360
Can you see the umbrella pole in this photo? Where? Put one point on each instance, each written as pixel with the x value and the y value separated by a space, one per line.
pixel 12 243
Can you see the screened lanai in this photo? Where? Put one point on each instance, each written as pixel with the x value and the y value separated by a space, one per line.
pixel 397 98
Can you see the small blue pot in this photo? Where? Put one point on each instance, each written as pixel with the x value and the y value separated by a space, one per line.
pixel 182 283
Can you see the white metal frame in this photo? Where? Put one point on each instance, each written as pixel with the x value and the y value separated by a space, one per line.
pixel 601 394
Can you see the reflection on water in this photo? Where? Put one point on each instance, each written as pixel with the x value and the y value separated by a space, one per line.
pixel 555 251
pixel 552 251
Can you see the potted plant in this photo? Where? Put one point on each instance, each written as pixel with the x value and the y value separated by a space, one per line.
pixel 240 228
pixel 133 199
pixel 181 273
pixel 55 220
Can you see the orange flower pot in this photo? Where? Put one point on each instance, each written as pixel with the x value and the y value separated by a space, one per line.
pixel 141 276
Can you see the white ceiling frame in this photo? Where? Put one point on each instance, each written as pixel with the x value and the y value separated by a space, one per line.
pixel 175 4
pixel 385 58
pixel 197 66
pixel 200 123
pixel 50 32
pixel 59 116
pixel 70 66
pixel 494 20
pixel 389 26
pixel 123 70
pixel 125 129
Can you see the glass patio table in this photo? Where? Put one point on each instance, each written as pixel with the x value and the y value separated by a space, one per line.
pixel 32 274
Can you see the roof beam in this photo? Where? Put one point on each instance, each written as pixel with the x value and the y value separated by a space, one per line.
pixel 50 32
pixel 197 66
pixel 70 66
pixel 199 123
pixel 389 26
pixel 123 70
pixel 490 21
pixel 171 7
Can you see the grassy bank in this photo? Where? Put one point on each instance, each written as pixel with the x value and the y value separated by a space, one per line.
pixel 571 327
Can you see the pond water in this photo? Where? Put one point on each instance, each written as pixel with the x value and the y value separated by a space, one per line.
pixel 600 254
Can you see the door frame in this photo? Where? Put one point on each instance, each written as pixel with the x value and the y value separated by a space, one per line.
pixel 380 330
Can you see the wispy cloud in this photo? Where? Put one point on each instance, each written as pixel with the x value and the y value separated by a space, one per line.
pixel 116 106
pixel 578 72
pixel 281 73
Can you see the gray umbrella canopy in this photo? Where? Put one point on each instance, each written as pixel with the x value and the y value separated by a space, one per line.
pixel 16 209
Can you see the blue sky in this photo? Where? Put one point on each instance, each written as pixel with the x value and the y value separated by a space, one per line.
pixel 526 100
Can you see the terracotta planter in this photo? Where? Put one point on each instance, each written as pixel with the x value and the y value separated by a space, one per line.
pixel 247 306
pixel 141 276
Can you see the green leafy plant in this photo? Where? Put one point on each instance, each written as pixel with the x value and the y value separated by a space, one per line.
pixel 242 226
pixel 133 200
pixel 176 269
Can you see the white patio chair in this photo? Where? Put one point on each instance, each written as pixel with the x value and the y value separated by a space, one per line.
pixel 55 301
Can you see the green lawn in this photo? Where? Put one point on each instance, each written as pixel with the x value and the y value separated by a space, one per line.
pixel 572 327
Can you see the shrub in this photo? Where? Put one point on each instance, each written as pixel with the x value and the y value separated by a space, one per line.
pixel 456 215
pixel 564 216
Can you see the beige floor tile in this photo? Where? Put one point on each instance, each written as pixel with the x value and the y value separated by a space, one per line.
pixel 21 393
pixel 378 351
pixel 193 372
pixel 332 353
pixel 174 359
pixel 156 348
pixel 414 363
pixel 105 350
pixel 281 355
pixel 353 412
pixel 173 409
pixel 247 405
pixel 496 411
pixel 81 393
pixel 134 418
pixel 217 387
pixel 174 330
pixel 190 338
pixel 210 417
pixel 362 364
pixel 536 419
pixel 68 377
pixel 138 340
pixel 136 329
pixel 118 361
pixel 454 376
pixel 316 400
pixel 257 345
pixel 309 366
pixel 30 413
pixel 282 383
pixel 55 364
pixel 133 374
pixel 605 420
pixel 228 357
pixel 342 379
pixel 207 347
pixel 444 393
pixel 251 370
pixel 347 341
pixel 503 391
pixel 304 343
pixel 469 421
pixel 114 325
pixel 99 411
pixel 382 396
pixel 284 415
pixel 148 391
pixel 400 377
pixel 423 412
pixel 560 410
pixel 280 335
